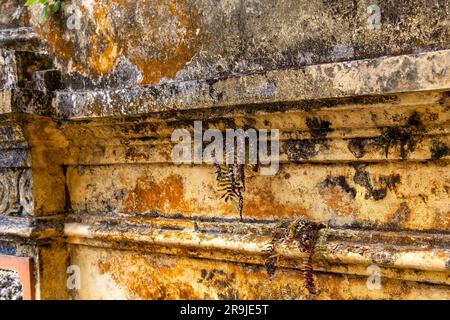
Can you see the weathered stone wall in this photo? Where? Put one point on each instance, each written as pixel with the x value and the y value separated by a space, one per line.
pixel 10 286
pixel 125 43
pixel 87 109
pixel 12 14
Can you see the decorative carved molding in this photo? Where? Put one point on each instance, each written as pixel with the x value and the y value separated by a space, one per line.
pixel 25 192
pixel 16 192
pixel 247 242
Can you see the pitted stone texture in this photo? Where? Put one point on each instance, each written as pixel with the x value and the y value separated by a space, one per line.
pixel 123 43
pixel 26 101
pixel 12 14
pixel 10 286
pixel 386 75
pixel 8 70
pixel 22 68
pixel 22 38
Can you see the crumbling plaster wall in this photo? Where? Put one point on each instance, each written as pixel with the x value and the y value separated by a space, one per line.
pixel 124 43
pixel 87 111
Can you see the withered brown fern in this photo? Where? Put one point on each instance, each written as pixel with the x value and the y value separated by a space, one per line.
pixel 279 236
pixel 231 180
pixel 231 184
pixel 309 237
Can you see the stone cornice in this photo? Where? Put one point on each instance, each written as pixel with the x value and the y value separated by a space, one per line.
pixel 348 250
pixel 380 76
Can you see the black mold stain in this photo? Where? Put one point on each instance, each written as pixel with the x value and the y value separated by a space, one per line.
pixel 400 136
pixel 220 280
pixel 339 181
pixel 445 98
pixel 297 150
pixel 390 138
pixel 386 183
pixel 414 120
pixel 261 108
pixel 306 149
pixel 357 146
pixel 404 137
pixel 318 128
pixel 383 258
pixel 439 150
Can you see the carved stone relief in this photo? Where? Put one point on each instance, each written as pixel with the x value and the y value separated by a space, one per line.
pixel 16 192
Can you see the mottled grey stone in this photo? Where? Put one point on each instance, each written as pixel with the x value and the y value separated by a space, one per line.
pixel 10 286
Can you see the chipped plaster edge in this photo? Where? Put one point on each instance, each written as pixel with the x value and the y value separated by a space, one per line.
pixel 386 75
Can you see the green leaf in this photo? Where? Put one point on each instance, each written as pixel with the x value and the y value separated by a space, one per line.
pixel 43 14
pixel 56 7
pixel 29 3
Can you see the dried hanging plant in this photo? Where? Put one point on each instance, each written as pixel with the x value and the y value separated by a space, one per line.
pixel 231 185
pixel 309 237
pixel 280 234
pixel 231 181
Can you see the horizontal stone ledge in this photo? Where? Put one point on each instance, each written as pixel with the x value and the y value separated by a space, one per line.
pixel 22 38
pixel 14 34
pixel 29 228
pixel 35 102
pixel 21 228
pixel 325 151
pixel 421 252
pixel 387 75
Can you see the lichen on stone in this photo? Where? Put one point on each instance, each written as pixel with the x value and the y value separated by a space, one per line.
pixel 10 286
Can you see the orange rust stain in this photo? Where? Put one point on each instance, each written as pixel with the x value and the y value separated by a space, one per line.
pixel 168 196
pixel 400 216
pixel 147 279
pixel 103 48
pixel 165 153
pixel 164 277
pixel 58 45
pixel 441 220
pixel 149 195
pixel 261 202
pixel 338 200
pixel 171 57
pixel 143 37
pixel 158 276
